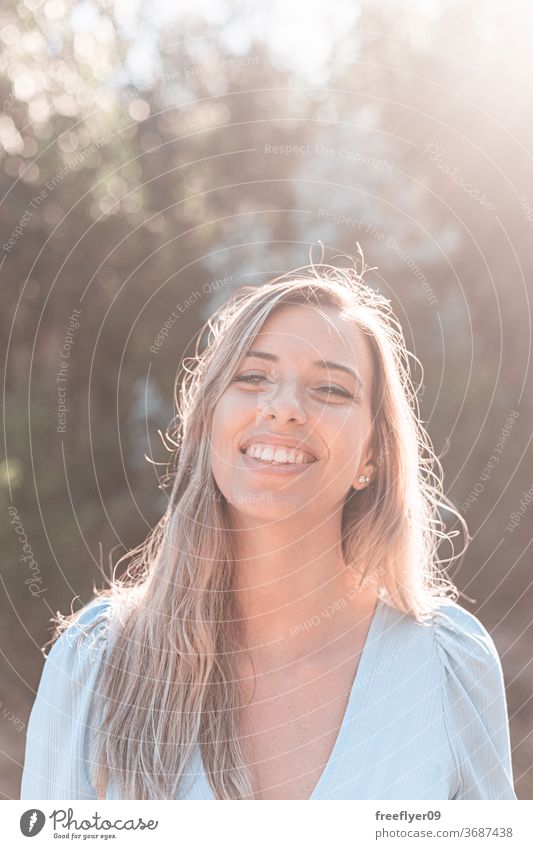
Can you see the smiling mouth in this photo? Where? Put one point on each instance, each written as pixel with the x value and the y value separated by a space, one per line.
pixel 279 456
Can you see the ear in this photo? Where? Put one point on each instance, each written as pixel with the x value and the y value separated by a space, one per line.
pixel 368 469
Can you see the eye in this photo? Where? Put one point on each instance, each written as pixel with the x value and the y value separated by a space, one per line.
pixel 254 379
pixel 336 390
pixel 249 378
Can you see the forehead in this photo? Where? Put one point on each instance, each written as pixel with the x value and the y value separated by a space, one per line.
pixel 313 328
pixel 305 333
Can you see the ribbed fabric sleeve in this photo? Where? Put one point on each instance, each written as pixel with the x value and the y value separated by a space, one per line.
pixel 474 705
pixel 56 757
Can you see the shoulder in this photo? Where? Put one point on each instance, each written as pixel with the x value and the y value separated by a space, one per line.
pixel 56 759
pixel 75 660
pixel 453 636
pixel 474 705
pixel 454 659
pixel 462 639
pixel 450 616
pixel 472 672
pixel 86 637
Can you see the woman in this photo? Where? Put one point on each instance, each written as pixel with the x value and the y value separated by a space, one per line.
pixel 286 631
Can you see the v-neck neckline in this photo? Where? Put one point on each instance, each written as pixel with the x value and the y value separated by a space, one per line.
pixel 357 692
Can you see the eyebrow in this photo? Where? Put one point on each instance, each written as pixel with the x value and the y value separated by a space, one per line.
pixel 322 364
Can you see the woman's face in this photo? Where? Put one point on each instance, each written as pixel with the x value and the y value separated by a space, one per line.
pixel 287 393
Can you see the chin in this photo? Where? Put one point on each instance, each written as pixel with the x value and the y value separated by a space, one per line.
pixel 265 506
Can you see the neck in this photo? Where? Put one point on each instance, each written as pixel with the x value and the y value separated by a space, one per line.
pixel 293 587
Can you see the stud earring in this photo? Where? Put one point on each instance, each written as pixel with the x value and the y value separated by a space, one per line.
pixel 363 479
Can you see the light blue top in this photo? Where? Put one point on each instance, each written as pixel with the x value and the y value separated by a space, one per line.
pixel 426 717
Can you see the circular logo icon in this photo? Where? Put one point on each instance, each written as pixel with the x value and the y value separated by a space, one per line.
pixel 32 822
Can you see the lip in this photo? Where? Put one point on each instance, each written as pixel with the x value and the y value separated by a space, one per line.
pixel 282 442
pixel 273 468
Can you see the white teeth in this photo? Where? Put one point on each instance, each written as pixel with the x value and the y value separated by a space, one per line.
pixel 277 454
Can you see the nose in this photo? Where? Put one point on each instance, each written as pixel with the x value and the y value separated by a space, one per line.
pixel 283 405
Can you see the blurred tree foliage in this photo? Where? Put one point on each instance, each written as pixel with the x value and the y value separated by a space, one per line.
pixel 146 171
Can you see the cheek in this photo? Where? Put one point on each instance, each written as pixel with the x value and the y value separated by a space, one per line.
pixel 222 414
pixel 232 412
pixel 346 438
pixel 219 437
pixel 227 417
pixel 342 430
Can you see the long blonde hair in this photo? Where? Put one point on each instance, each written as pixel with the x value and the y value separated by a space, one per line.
pixel 169 682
